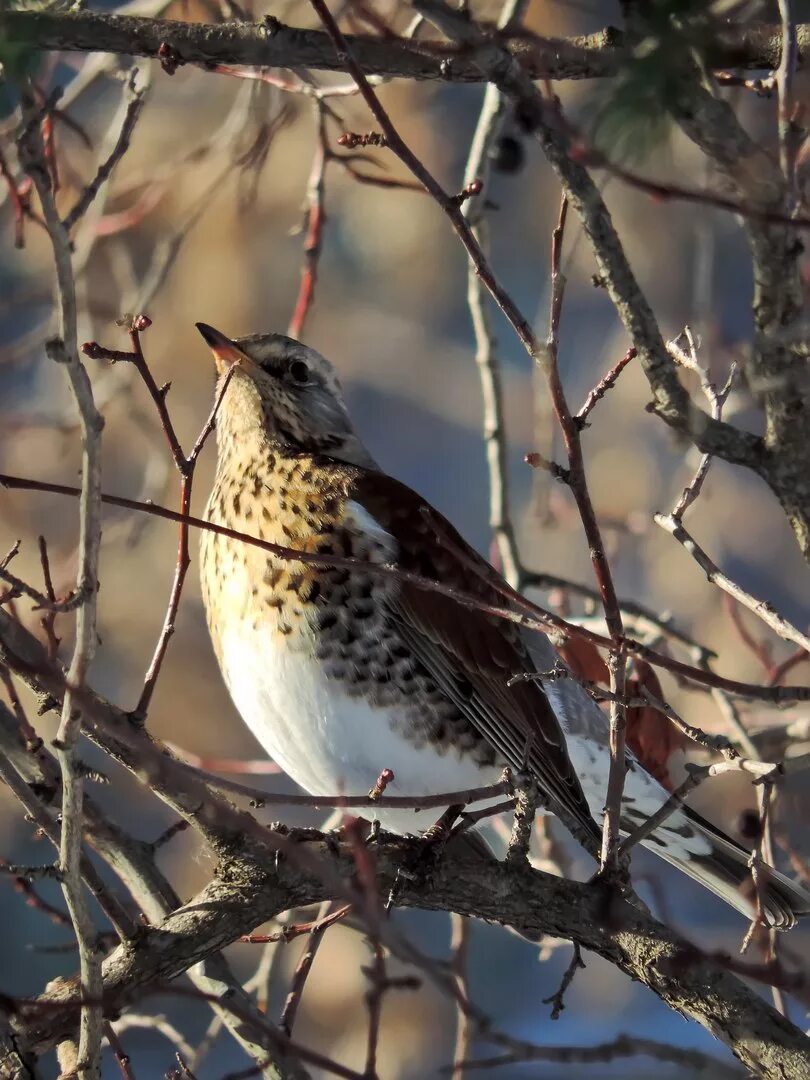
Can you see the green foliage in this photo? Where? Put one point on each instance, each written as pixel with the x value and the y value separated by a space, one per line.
pixel 18 57
pixel 671 36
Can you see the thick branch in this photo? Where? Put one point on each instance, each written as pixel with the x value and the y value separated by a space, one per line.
pixel 249 892
pixel 271 44
pixel 134 863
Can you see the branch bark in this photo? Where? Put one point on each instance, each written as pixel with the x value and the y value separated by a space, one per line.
pixel 272 44
pixel 250 890
pixel 252 885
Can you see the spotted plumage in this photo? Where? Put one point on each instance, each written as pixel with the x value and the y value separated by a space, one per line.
pixel 341 673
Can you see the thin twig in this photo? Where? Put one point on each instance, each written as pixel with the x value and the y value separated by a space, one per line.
pixel 293 930
pixel 607 382
pixel 106 168
pixel 185 466
pixel 762 772
pixel 490 124
pixel 183 555
pixel 535 617
pixel 459 952
pixel 557 999
pixel 64 350
pixel 314 227
pixel 47 622
pixel 762 608
pixel 117 1048
pixel 577 482
pixel 304 966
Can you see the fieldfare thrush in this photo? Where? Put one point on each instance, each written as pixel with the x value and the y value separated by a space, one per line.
pixel 342 673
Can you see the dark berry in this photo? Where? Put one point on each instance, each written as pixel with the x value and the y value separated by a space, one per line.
pixel 508 155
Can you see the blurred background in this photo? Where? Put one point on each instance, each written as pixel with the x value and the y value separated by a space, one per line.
pixel 203 221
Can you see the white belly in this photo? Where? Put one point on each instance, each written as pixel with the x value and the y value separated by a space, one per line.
pixel 328 742
pixel 333 744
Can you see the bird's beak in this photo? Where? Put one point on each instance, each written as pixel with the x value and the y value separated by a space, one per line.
pixel 226 352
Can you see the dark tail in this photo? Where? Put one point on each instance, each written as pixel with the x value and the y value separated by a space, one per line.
pixel 726 872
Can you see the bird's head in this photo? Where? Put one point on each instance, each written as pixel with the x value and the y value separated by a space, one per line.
pixel 283 393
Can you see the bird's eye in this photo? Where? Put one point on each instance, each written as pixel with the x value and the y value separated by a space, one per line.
pixel 299 372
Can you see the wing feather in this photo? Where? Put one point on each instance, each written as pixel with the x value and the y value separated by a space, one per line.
pixel 471 655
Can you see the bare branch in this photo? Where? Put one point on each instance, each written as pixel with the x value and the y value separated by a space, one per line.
pixel 105 170
pixel 762 608
pixel 272 44
pixel 533 903
pixel 64 351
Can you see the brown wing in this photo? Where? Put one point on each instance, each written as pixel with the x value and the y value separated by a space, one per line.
pixel 471 655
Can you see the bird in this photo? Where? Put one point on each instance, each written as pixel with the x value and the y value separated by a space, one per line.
pixel 341 672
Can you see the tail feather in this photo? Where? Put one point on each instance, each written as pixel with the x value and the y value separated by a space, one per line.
pixel 726 871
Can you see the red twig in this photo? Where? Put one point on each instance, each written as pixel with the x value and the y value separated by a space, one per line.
pixel 576 480
pixel 32 740
pixel 235 766
pixel 19 194
pixel 326 917
pixel 289 933
pixel 607 382
pixel 121 1056
pixel 315 221
pixel 447 202
pixel 757 647
pixel 779 672
pixel 185 466
pixel 48 142
pixel 48 620
pixel 377 972
pixel 459 951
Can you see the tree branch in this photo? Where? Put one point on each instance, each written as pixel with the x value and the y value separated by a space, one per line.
pixel 249 891
pixel 272 44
